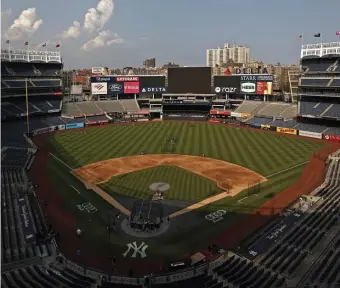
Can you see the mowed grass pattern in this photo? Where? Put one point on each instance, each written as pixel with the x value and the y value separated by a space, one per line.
pixel 265 153
pixel 184 185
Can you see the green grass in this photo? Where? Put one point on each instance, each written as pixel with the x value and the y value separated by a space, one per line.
pixel 264 153
pixel 184 185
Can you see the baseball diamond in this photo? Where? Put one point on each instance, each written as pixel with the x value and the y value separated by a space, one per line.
pixel 216 174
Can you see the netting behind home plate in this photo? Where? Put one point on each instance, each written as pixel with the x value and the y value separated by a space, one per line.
pixel 146 214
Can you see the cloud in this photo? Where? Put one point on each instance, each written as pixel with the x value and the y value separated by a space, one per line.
pixel 7 12
pixel 26 24
pixel 104 38
pixel 73 31
pixel 96 18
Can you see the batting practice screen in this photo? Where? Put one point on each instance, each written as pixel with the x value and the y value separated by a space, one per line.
pixel 189 80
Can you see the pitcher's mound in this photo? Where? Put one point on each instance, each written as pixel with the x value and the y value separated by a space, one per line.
pixel 159 187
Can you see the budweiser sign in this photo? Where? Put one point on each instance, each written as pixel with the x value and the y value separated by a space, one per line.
pixel 127 79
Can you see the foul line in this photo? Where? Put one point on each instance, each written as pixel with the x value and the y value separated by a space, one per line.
pixel 239 201
pixel 61 161
pixel 290 168
pixel 75 189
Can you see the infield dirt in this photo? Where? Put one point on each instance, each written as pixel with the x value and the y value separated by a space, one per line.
pixel 231 178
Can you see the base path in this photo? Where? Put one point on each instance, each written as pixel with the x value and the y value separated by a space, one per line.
pixel 229 177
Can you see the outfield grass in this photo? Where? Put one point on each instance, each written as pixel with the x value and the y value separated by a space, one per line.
pixel 184 185
pixel 265 153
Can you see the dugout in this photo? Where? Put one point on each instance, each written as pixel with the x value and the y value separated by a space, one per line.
pixel 146 215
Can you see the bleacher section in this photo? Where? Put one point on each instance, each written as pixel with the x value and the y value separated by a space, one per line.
pixel 31 83
pixel 315 82
pixel 313 108
pixel 335 82
pixel 22 69
pixel 99 107
pixel 34 106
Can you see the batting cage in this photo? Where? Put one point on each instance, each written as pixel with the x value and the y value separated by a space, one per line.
pixel 146 215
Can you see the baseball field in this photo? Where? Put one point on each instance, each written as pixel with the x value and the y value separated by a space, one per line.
pixel 99 172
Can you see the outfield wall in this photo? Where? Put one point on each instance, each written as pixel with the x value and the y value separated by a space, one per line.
pixel 191 117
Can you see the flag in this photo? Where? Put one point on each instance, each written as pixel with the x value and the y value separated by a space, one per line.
pixel 26 43
pixel 7 41
pixel 337 33
pixel 299 37
pixel 318 35
pixel 44 45
pixel 57 46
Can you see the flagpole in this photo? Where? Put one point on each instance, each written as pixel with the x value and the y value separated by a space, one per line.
pixel 27 117
pixel 9 50
pixel 46 51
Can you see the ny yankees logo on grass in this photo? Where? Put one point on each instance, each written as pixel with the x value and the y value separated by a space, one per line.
pixel 136 249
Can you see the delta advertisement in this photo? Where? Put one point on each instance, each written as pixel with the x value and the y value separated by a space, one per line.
pixel 244 84
pixel 286 130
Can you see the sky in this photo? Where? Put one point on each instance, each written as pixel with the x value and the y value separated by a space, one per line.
pixel 120 33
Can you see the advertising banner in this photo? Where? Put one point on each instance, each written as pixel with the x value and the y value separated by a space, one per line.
pixel 332 137
pixel 127 79
pixel 245 115
pixel 103 79
pixel 93 123
pixel 99 88
pixel 74 125
pixel 26 220
pixel 264 88
pixel 235 114
pixel 154 90
pixel 61 127
pixel 286 130
pixel 98 70
pixel 217 112
pixel 265 127
pixel 131 87
pixel 41 131
pixel 53 111
pixel 115 88
pixel 248 87
pixel 310 134
pixel 244 84
pixel 256 125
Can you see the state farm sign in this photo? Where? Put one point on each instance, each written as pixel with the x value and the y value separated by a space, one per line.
pixel 127 79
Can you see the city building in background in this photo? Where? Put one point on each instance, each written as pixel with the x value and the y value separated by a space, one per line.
pixel 229 55
pixel 149 63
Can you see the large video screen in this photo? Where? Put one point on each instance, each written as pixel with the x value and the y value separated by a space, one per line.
pixel 244 84
pixel 189 80
pixel 151 81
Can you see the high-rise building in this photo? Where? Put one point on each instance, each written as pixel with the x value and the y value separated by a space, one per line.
pixel 149 63
pixel 228 55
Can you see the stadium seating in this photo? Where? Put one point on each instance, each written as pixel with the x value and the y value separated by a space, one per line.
pixel 289 112
pixel 259 120
pixel 110 106
pixel 283 123
pixel 249 107
pixel 130 105
pixel 335 82
pixel 97 118
pixel 17 83
pixel 273 109
pixel 46 83
pixel 310 127
pixel 28 69
pixel 88 108
pixel 333 130
pixel 313 108
pixel 14 245
pixel 333 111
pixel 315 82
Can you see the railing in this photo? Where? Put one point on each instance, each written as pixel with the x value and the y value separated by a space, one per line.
pixel 30 56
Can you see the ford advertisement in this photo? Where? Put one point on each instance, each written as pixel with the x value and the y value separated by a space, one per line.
pixel 115 88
